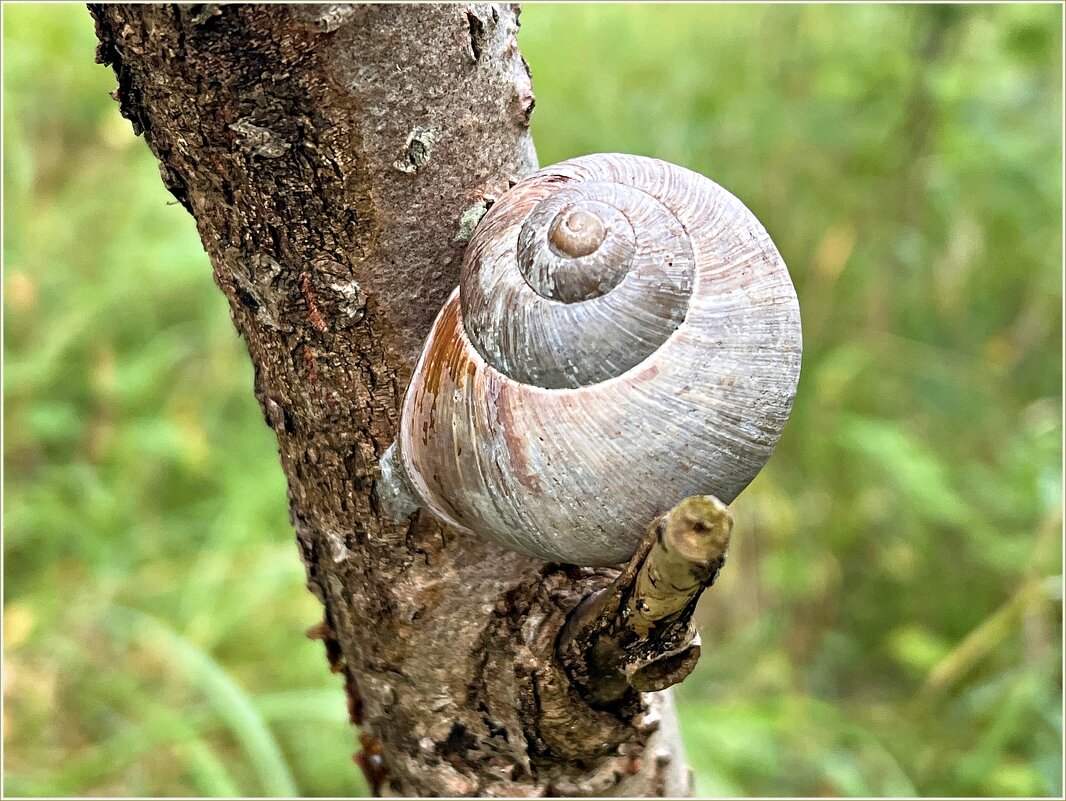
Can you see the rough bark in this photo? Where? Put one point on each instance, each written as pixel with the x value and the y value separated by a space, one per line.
pixel 328 154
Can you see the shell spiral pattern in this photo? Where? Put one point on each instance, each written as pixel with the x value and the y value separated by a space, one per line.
pixel 624 335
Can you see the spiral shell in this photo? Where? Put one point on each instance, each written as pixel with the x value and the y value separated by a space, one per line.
pixel 625 334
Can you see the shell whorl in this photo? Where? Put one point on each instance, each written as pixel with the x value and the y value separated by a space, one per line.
pixel 625 334
pixel 600 269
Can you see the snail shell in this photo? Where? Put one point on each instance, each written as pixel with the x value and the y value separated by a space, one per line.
pixel 624 335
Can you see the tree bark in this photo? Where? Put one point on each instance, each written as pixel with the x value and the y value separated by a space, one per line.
pixel 328 154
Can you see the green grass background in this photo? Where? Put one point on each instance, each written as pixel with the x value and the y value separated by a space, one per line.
pixel 890 618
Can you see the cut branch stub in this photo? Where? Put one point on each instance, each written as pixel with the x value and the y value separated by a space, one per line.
pixel 637 633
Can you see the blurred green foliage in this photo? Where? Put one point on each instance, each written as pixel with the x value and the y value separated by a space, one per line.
pixel 890 618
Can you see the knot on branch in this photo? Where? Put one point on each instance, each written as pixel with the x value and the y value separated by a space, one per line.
pixel 586 643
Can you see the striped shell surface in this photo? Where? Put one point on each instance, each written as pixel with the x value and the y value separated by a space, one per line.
pixel 624 335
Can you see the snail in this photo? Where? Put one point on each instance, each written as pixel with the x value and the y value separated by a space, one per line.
pixel 624 335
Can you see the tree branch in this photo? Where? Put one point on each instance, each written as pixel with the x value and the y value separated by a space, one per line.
pixel 334 158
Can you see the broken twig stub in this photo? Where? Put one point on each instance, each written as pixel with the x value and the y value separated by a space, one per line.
pixel 637 633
